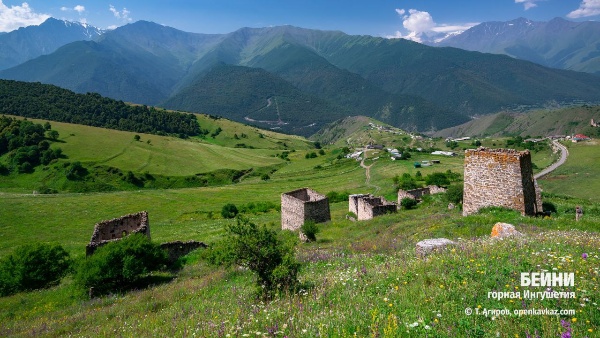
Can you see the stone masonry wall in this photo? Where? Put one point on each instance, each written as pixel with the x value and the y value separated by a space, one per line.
pixel 117 228
pixel 499 177
pixel 367 206
pixel 302 205
pixel 178 249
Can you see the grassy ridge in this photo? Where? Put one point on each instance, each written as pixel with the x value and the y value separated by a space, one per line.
pixel 564 121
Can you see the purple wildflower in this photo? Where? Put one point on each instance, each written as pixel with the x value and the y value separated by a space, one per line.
pixel 584 255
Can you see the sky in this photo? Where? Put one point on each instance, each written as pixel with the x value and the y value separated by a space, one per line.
pixel 411 19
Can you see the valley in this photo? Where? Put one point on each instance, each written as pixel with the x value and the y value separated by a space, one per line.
pixel 205 132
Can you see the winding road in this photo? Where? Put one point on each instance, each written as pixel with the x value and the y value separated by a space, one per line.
pixel 564 153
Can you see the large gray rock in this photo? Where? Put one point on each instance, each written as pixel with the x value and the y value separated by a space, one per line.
pixel 428 246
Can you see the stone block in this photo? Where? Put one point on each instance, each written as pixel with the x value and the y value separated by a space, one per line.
pixel 502 230
pixel 428 246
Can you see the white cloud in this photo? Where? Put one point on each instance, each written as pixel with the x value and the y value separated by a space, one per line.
pixel 528 3
pixel 14 17
pixel 123 15
pixel 79 9
pixel 586 8
pixel 421 27
pixel 418 22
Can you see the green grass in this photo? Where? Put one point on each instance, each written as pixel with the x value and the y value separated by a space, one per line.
pixel 578 177
pixel 361 278
pixel 353 272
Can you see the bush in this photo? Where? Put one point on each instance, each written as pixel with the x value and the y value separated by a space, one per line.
pixel 33 266
pixel 229 210
pixel 406 182
pixel 549 207
pixel 118 265
pixel 259 249
pixel 75 171
pixel 439 179
pixel 408 203
pixel 454 194
pixel 310 229
pixel 335 197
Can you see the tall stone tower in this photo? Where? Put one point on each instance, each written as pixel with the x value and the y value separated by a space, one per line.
pixel 500 177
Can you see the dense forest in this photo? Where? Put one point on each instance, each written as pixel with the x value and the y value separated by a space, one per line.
pixel 26 145
pixel 36 100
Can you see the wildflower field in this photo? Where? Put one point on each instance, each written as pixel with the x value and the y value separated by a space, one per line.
pixel 361 285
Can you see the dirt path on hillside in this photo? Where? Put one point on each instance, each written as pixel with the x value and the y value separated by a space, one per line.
pixel 564 153
pixel 368 172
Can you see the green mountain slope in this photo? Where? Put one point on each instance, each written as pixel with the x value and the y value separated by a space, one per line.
pixel 397 81
pixel 565 121
pixel 255 96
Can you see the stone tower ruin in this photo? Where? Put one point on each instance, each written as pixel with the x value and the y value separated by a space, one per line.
pixel 303 205
pixel 500 177
pixel 115 229
pixel 368 206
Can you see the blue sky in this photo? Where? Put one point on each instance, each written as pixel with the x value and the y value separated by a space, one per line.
pixel 400 18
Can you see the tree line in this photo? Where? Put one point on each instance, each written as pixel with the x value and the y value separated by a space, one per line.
pixel 36 100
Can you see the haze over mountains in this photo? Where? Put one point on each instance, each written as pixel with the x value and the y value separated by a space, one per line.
pixel 297 80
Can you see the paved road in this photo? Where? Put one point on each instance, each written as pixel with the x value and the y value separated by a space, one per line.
pixel 563 157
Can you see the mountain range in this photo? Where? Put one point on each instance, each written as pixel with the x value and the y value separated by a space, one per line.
pixel 298 80
pixel 557 43
pixel 27 43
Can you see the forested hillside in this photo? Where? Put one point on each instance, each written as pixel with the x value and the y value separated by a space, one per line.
pixel 43 101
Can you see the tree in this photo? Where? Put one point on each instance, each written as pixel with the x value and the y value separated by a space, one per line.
pixel 52 134
pixel 136 137
pixel 262 251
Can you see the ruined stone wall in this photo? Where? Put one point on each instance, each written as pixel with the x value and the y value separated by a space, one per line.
pixel 434 189
pixel 499 177
pixel 117 228
pixel 366 207
pixel 178 249
pixel 414 194
pixel 302 205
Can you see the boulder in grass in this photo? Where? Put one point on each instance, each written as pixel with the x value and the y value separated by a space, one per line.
pixel 502 230
pixel 428 246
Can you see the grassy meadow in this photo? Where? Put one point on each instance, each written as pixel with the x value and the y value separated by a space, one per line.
pixel 361 278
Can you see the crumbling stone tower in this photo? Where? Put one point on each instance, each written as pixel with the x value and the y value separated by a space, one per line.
pixel 500 177
pixel 303 205
pixel 115 229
